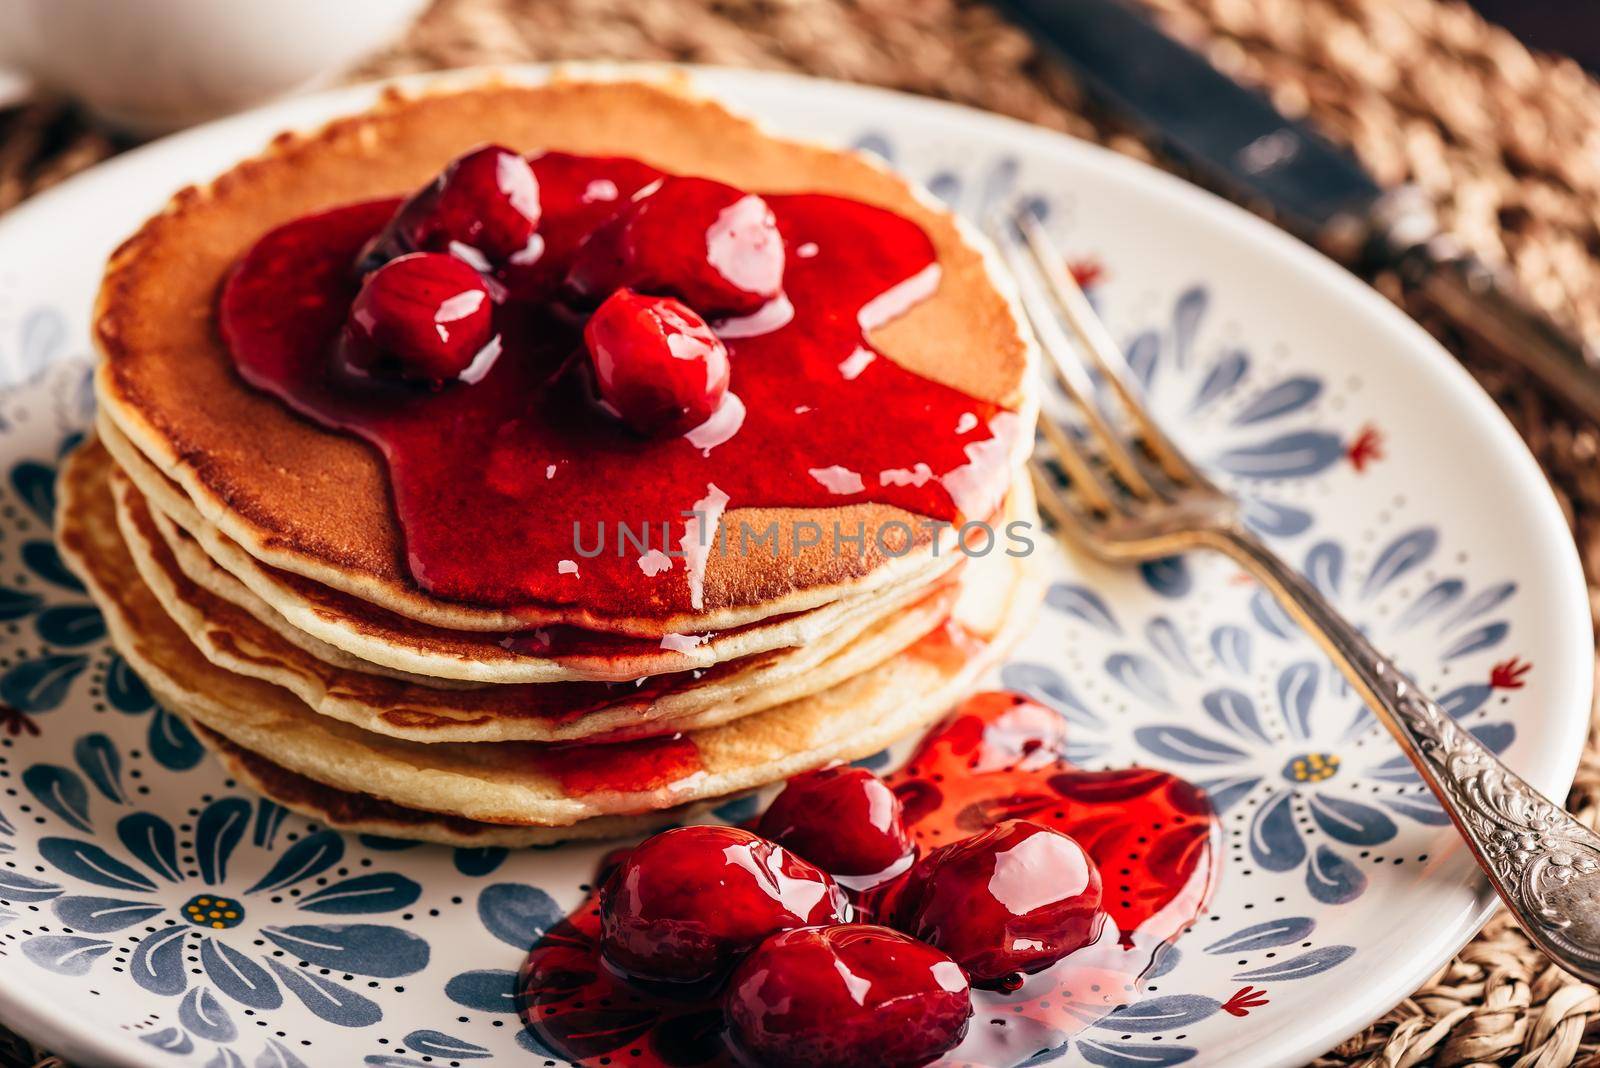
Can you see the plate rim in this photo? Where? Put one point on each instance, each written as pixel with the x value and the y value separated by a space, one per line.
pixel 60 1029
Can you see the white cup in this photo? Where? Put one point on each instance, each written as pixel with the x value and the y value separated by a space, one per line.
pixel 151 66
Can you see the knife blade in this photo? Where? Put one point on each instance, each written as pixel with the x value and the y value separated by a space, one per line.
pixel 1234 140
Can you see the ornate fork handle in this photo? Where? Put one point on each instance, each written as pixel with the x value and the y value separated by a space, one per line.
pixel 1543 863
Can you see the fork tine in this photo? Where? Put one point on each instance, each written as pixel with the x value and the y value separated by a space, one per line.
pixel 1094 336
pixel 1084 477
pixel 1075 383
pixel 1057 505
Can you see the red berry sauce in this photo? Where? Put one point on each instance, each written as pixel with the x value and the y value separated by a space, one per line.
pixel 818 413
pixel 999 757
pixel 850 996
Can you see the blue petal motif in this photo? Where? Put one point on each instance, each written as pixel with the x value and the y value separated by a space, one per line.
pixel 1144 354
pixel 71 625
pixel 43 560
pixel 1297 693
pixel 70 955
pixel 1490 598
pixel 102 915
pixel 173 1040
pixel 1313 962
pixel 151 840
pixel 1140 676
pixel 1434 599
pixel 124 690
pixel 275 1056
pixel 1325 568
pixel 1168 576
pixel 480 861
pixel 1399 557
pixel 1275 841
pixel 310 856
pixel 60 790
pixel 877 144
pixel 362 948
pixel 517 914
pixel 1300 454
pixel 1496 737
pixel 1133 1055
pixel 1231 645
pixel 172 743
pixel 41 339
pixel 40 685
pixel 1186 746
pixel 87 861
pixel 157 963
pixel 1080 602
pixel 1228 371
pixel 1267 612
pixel 204 1016
pixel 269 817
pixel 1425 810
pixel 1267 935
pixel 17 604
pixel 1154 1015
pixel 35 483
pixel 1484 637
pixel 1164 638
pixel 1045 684
pixel 438 1044
pixel 1349 821
pixel 375 892
pixel 25 889
pixel 237 976
pixel 1274 519
pixel 488 990
pixel 225 1058
pixel 1187 312
pixel 217 832
pixel 1332 879
pixel 1225 793
pixel 1234 710
pixel 98 758
pixel 1279 399
pixel 946 185
pixel 327 999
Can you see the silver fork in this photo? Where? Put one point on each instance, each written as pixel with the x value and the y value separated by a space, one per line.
pixel 1141 499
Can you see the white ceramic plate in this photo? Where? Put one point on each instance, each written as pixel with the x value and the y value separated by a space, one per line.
pixel 1370 455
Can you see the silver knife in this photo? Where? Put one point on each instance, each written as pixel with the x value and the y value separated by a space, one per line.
pixel 1233 139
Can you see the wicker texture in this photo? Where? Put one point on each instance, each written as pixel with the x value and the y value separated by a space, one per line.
pixel 1507 143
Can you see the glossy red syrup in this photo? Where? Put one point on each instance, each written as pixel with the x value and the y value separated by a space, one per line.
pixel 489 478
pixel 1000 756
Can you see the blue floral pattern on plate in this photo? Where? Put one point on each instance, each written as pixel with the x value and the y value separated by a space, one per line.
pixel 199 925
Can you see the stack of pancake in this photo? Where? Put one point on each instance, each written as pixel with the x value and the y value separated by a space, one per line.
pixel 252 569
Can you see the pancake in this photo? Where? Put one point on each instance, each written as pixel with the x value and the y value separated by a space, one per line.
pixel 316 504
pixel 355 634
pixel 364 814
pixel 237 640
pixel 516 783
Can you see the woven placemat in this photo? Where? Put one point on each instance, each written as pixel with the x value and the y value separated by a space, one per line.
pixel 1507 143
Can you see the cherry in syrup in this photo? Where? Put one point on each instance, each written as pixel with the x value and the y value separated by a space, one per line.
pixel 843 819
pixel 850 996
pixel 689 903
pixel 657 366
pixel 1011 900
pixel 424 317
pixel 713 246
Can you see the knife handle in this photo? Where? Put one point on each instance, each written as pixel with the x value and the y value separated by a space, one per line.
pixel 1484 303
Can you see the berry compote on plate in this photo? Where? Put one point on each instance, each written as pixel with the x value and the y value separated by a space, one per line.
pixel 979 906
